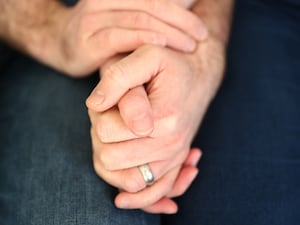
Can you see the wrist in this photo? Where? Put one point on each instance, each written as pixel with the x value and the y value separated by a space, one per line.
pixel 45 42
pixel 32 27
pixel 209 62
pixel 217 16
pixel 209 57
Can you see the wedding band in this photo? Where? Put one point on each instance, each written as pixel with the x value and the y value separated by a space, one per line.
pixel 146 173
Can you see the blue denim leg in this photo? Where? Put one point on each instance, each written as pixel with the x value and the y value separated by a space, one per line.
pixel 250 171
pixel 46 173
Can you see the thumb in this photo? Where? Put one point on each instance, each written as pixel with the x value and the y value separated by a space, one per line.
pixel 136 112
pixel 134 70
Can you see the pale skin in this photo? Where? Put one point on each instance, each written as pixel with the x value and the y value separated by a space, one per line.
pixel 173 114
pixel 78 40
pixel 68 39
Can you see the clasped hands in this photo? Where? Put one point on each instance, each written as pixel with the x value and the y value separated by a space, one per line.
pixel 146 110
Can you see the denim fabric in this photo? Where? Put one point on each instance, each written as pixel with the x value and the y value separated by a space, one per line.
pixel 250 171
pixel 46 171
pixel 5 54
pixel 69 2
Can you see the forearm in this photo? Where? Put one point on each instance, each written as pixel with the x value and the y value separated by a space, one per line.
pixel 30 25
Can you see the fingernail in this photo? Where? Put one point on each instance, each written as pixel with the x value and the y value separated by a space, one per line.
pixel 142 125
pixel 97 97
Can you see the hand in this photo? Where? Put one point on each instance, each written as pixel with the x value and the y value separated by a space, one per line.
pixel 132 181
pixel 177 113
pixel 188 170
pixel 93 31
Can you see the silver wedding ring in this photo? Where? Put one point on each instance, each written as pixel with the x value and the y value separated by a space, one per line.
pixel 146 173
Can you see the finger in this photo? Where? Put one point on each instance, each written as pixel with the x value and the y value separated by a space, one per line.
pixel 130 72
pixel 110 61
pixel 138 20
pixel 165 10
pixel 136 112
pixel 137 119
pixel 131 179
pixel 193 157
pixel 120 40
pixel 187 174
pixel 184 180
pixel 127 154
pixel 149 195
pixel 164 205
pixel 110 127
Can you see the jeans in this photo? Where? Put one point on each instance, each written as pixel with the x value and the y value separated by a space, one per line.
pixel 250 171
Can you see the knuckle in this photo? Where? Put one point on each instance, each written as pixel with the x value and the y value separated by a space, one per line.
pixel 173 126
pixel 103 131
pixel 168 122
pixel 116 73
pixel 92 116
pixel 107 37
pixel 106 160
pixel 140 37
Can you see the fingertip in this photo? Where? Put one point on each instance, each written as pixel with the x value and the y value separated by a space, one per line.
pixel 163 206
pixel 95 100
pixel 171 206
pixel 121 202
pixel 198 155
pixel 194 157
pixel 194 174
pixel 173 210
pixel 190 173
pixel 184 181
